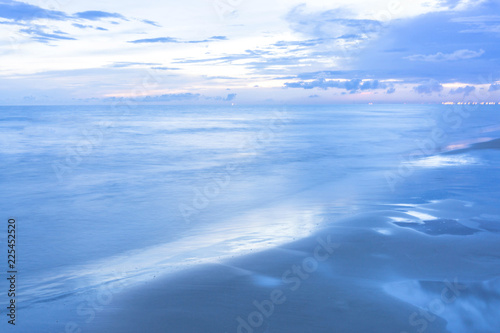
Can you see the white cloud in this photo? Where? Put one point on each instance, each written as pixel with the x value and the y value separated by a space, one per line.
pixel 264 43
pixel 457 55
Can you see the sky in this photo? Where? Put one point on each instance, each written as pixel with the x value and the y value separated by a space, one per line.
pixel 249 52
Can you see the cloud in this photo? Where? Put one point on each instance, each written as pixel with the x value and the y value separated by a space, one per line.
pixel 302 43
pixel 172 97
pixel 330 23
pixel 82 26
pixel 269 65
pixel 219 37
pixel 23 14
pixel 331 33
pixel 457 55
pixel 372 85
pixel 20 11
pixel 37 33
pixel 95 15
pixel 480 23
pixel 179 97
pixel 406 48
pixel 12 23
pixel 175 40
pixel 351 85
pixel 151 23
pixel 450 3
pixel 131 64
pixel 449 46
pixel 156 40
pixel 494 87
pixel 463 90
pixel 161 68
pixel 325 75
pixel 429 87
pixel 230 97
pixel 249 54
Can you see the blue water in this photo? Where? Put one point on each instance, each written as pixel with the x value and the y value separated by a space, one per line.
pixel 102 193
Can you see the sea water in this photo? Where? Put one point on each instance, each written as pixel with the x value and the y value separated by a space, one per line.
pixel 132 192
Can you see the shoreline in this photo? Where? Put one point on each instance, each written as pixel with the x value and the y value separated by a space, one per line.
pixel 337 292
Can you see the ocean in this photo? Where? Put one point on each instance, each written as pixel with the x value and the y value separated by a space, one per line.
pixel 203 201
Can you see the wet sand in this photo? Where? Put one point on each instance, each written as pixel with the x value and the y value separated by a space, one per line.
pixel 350 277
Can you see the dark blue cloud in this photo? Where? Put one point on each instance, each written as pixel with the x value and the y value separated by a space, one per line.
pixel 82 26
pixel 351 85
pixel 96 15
pixel 303 43
pixel 20 11
pixel 372 85
pixel 439 45
pixel 391 90
pixel 85 26
pixel 151 23
pixel 173 97
pixel 196 41
pixel 22 14
pixel 494 87
pixel 175 40
pixel 39 34
pixel 463 90
pixel 156 40
pixel 429 87
pixel 230 97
